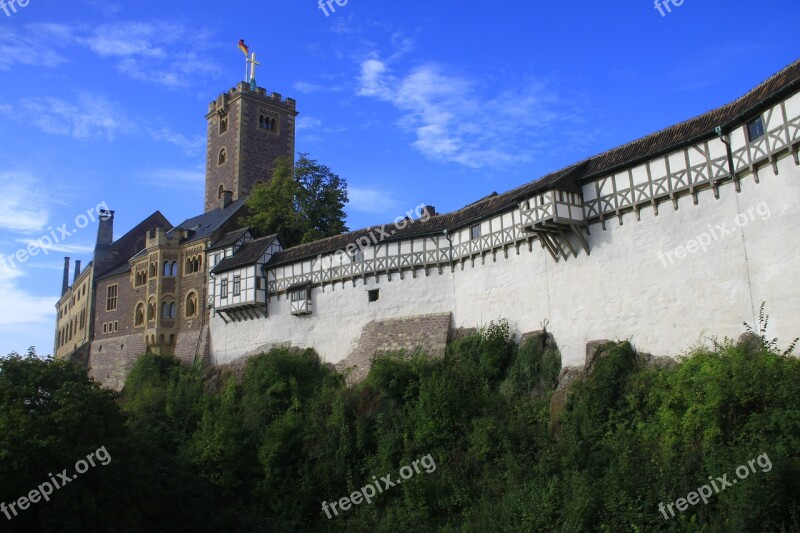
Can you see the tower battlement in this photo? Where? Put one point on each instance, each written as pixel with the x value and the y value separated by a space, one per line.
pixel 224 99
pixel 249 128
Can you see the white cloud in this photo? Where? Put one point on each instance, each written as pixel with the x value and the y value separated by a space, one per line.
pixel 163 53
pixel 175 178
pixel 310 88
pixel 370 200
pixel 34 44
pixel 25 319
pixel 21 208
pixel 190 146
pixel 91 116
pixel 455 121
pixel 308 123
pixel 58 247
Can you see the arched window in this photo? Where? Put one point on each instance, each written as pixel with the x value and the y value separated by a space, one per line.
pixel 173 310
pixel 191 305
pixel 165 310
pixel 174 268
pixel 223 156
pixel 166 269
pixel 151 310
pixel 223 125
pixel 220 191
pixel 152 270
pixel 138 317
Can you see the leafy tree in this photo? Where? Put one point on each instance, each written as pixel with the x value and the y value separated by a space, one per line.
pixel 301 207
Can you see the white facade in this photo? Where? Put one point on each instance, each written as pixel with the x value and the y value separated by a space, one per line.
pixel 678 248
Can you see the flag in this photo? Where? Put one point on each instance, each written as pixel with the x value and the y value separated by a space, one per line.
pixel 243 48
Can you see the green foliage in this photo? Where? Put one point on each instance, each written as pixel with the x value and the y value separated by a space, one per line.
pixel 301 207
pixel 262 450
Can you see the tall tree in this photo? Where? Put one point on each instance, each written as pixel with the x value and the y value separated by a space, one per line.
pixel 301 207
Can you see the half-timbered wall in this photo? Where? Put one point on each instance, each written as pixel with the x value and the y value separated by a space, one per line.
pixel 634 279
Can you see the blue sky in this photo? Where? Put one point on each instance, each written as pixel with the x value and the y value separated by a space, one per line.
pixel 436 102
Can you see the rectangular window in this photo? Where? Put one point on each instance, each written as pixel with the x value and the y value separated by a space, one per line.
pixel 260 284
pixel 755 129
pixel 374 295
pixel 116 326
pixel 223 289
pixel 111 298
pixel 475 232
pixel 105 328
pixel 237 285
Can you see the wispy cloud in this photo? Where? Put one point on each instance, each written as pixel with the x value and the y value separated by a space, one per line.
pixel 455 120
pixel 190 146
pixel 21 209
pixel 311 88
pixel 21 307
pixel 369 200
pixel 308 123
pixel 35 44
pixel 176 178
pixel 163 53
pixel 58 247
pixel 91 116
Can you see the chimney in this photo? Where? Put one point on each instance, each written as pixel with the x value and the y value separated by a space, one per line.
pixel 65 282
pixel 105 231
pixel 428 212
pixel 77 270
pixel 227 198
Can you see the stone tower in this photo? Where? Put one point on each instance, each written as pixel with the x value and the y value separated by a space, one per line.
pixel 247 130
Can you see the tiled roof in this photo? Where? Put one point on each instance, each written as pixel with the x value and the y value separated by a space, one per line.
pixel 125 246
pixel 228 239
pixel 202 226
pixel 246 255
pixel 569 178
pixel 121 269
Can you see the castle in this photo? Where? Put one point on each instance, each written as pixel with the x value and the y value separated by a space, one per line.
pixel 677 235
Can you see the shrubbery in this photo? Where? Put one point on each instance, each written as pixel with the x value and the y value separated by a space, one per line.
pixel 262 452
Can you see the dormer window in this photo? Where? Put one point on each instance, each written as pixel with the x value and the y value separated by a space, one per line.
pixel 755 129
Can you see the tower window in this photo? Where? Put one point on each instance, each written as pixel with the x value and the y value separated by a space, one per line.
pixel 223 156
pixel 268 121
pixel 223 125
pixel 755 129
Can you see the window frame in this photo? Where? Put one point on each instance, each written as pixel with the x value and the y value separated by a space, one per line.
pixel 237 285
pixel 757 121
pixel 112 299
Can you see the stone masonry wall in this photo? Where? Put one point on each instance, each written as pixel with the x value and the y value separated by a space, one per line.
pixel 429 333
pixel 112 359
